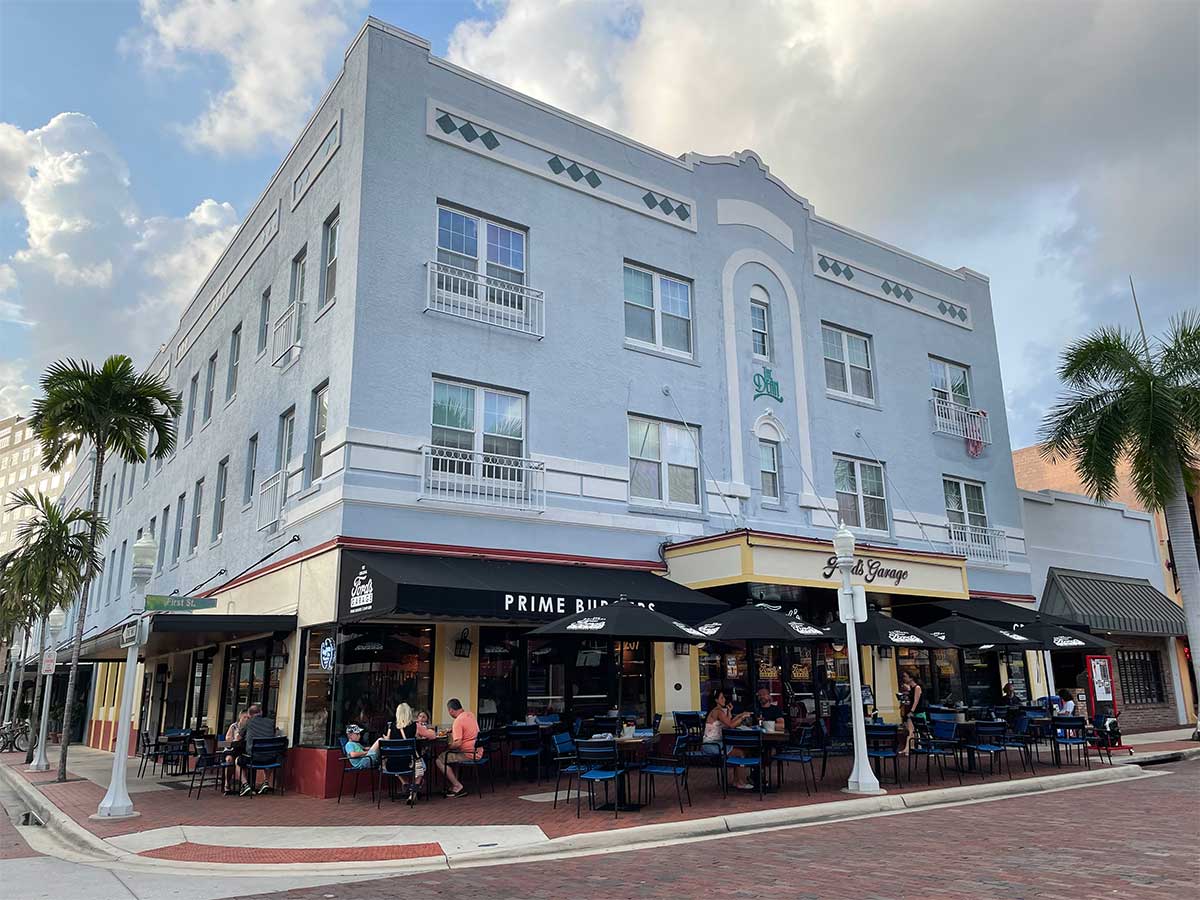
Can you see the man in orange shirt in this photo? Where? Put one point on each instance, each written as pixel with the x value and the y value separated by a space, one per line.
pixel 463 733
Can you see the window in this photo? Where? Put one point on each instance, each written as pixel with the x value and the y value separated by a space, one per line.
pixel 287 435
pixel 179 510
pixel 860 494
pixel 120 492
pixel 210 387
pixel 119 573
pixel 320 420
pixel 112 576
pixel 663 463
pixel 251 469
pixel 964 502
pixel 218 525
pixel 328 291
pixel 1140 676
pixel 193 394
pixel 458 245
pixel 264 320
pixel 847 363
pixel 235 357
pixel 197 501
pixel 469 421
pixel 149 453
pixel 162 543
pixel 760 323
pixel 658 310
pixel 296 297
pixel 950 381
pixel 768 466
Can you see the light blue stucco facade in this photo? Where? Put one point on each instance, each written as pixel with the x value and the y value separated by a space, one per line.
pixel 401 132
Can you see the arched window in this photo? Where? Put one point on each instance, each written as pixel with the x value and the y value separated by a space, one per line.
pixel 760 322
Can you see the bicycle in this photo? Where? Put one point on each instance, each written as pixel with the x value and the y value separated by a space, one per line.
pixel 16 736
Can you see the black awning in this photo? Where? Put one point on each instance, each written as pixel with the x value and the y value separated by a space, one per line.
pixel 380 584
pixel 995 612
pixel 178 632
pixel 1112 603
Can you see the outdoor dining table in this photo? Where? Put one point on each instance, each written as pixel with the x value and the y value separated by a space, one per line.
pixel 628 749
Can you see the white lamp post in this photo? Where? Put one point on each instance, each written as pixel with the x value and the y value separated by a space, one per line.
pixel 862 778
pixel 54 623
pixel 116 802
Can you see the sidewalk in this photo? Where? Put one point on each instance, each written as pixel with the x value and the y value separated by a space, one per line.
pixel 294 831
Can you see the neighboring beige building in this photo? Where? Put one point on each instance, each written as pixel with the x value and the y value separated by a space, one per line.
pixel 21 467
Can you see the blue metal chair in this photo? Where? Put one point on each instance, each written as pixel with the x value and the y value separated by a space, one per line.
pixel 525 743
pixel 750 743
pixel 1018 737
pixel 176 752
pixel 938 740
pixel 675 766
pixel 206 762
pixel 1068 732
pixel 989 740
pixel 397 760
pixel 800 751
pixel 150 753
pixel 881 745
pixel 485 747
pixel 266 756
pixel 566 762
pixel 348 768
pixel 601 764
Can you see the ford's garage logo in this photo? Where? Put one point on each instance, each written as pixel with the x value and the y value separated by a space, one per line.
pixel 591 623
pixel 1013 635
pixel 710 629
pixel 1062 640
pixel 904 637
pixel 804 628
pixel 686 629
pixel 328 654
pixel 362 592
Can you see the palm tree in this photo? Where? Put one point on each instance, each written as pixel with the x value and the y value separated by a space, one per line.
pixel 53 553
pixel 113 409
pixel 1136 400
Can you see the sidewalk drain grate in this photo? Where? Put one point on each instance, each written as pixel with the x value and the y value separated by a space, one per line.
pixel 31 818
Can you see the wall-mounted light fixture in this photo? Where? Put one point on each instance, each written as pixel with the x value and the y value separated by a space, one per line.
pixel 462 647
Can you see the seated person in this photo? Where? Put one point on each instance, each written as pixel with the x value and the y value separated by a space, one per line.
pixel 719 717
pixel 235 748
pixel 424 730
pixel 461 747
pixel 406 727
pixel 359 757
pixel 1066 703
pixel 768 710
pixel 256 728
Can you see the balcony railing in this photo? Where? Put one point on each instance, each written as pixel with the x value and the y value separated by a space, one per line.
pixel 980 543
pixel 485 479
pixel 482 298
pixel 285 340
pixel 961 421
pixel 271 494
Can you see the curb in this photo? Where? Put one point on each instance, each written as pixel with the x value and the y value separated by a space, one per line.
pixel 1157 756
pixel 55 820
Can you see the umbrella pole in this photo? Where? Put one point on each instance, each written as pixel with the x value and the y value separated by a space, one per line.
pixel 874 688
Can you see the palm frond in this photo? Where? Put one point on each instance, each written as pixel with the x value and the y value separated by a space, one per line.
pixel 1105 357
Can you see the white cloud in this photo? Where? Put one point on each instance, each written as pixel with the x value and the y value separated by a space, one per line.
pixel 274 51
pixel 94 276
pixel 1055 152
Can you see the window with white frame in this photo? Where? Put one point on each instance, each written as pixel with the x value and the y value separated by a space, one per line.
pixel 664 463
pixel 222 485
pixel 950 381
pixel 197 502
pixel 458 245
pixel 768 467
pixel 760 323
pixel 658 310
pixel 320 422
pixel 162 538
pixel 179 513
pixel 287 436
pixel 329 281
pixel 264 319
pixel 210 387
pixel 847 363
pixel 296 295
pixel 251 469
pixel 193 397
pixel 235 359
pixel 861 498
pixel 964 502
pixel 474 423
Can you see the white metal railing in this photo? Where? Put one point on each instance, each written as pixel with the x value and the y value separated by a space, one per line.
pixel 954 418
pixel 271 494
pixel 980 543
pixel 487 479
pixel 285 339
pixel 482 298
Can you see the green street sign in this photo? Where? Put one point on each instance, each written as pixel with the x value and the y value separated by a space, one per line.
pixel 162 603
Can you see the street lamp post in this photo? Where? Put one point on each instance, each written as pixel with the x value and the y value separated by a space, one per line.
pixel 862 778
pixel 116 802
pixel 53 625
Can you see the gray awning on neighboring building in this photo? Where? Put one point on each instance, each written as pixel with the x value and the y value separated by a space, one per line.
pixel 1111 603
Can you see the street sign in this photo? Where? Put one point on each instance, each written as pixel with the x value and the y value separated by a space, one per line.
pixel 176 603
pixel 852 603
pixel 49 661
pixel 129 635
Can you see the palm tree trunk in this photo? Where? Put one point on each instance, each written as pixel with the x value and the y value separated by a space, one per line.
pixel 35 714
pixel 12 703
pixel 1187 569
pixel 77 640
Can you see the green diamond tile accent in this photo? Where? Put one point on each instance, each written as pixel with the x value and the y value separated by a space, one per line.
pixel 650 200
pixel 848 273
pixel 823 263
pixel 665 206
pixel 962 314
pixel 682 212
pixel 887 287
pixel 908 295
pixel 468 131
pixel 446 123
pixel 556 165
pixel 837 269
pixel 942 307
pixel 490 140
pixel 592 178
pixel 574 171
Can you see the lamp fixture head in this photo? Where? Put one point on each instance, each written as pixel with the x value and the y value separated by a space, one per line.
pixel 843 541
pixel 56 620
pixel 462 647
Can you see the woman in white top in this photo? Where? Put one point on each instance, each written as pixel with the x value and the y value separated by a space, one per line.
pixel 720 717
pixel 1066 705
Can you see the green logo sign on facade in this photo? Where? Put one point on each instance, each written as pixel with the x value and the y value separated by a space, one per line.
pixel 163 603
pixel 765 385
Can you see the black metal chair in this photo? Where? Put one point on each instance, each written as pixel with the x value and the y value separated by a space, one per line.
pixel 989 741
pixel 349 768
pixel 149 752
pixel 601 764
pixel 881 746
pixel 800 751
pixel 397 761
pixel 750 743
pixel 1068 732
pixel 566 762
pixel 676 766
pixel 206 762
pixel 937 740
pixel 176 752
pixel 266 756
pixel 525 744
pixel 485 753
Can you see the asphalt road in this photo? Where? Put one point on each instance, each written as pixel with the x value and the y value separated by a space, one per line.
pixel 1134 839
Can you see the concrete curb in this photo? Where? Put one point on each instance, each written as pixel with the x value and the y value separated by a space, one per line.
pixel 1157 756
pixel 54 819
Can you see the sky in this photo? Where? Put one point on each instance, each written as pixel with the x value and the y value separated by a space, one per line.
pixel 1054 147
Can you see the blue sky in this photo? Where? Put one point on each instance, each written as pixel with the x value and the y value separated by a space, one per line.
pixel 1057 159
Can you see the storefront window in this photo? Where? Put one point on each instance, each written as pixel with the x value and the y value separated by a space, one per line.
pixel 634 690
pixel 319 652
pixel 916 662
pixel 1017 673
pixel 769 660
pixel 246 680
pixel 593 681
pixel 725 666
pixel 981 674
pixel 500 675
pixel 378 667
pixel 202 667
pixel 547 680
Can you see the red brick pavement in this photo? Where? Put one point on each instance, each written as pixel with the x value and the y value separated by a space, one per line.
pixel 1128 840
pixel 189 852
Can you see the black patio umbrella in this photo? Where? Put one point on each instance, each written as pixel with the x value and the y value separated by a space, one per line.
pixel 969 633
pixel 1058 637
pixel 760 622
pixel 884 631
